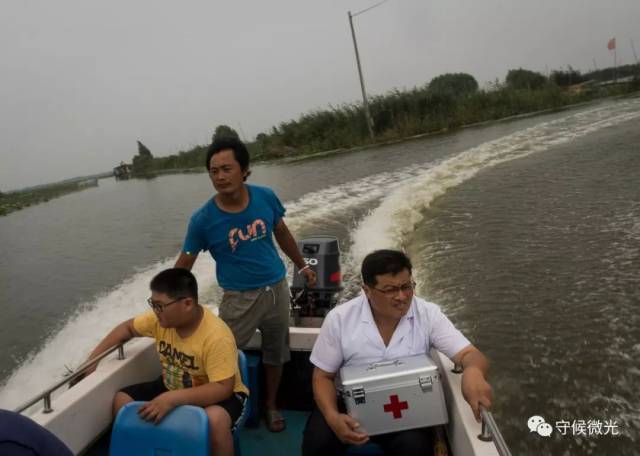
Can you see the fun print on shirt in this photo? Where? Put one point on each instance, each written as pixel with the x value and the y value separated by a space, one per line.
pixel 255 231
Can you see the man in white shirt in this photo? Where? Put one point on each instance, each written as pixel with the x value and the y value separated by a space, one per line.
pixel 385 322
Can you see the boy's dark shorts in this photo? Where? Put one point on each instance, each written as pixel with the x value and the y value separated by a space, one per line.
pixel 234 406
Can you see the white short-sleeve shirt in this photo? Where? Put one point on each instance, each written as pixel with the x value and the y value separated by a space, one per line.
pixel 350 337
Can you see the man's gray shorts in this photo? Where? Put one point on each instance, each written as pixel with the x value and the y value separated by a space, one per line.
pixel 265 308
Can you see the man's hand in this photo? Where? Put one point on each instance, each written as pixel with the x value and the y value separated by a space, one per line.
pixel 476 390
pixel 309 276
pixel 345 428
pixel 156 409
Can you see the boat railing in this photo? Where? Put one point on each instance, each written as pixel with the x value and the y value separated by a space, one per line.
pixel 76 375
pixel 490 431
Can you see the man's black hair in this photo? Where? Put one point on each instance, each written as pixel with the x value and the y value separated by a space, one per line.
pixel 382 262
pixel 240 152
pixel 176 283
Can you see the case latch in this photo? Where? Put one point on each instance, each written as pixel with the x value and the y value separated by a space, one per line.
pixel 426 383
pixel 358 395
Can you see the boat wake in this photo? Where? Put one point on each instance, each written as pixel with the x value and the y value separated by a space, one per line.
pixel 391 223
pixel 70 347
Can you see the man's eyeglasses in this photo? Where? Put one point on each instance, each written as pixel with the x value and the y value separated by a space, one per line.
pixel 392 292
pixel 160 306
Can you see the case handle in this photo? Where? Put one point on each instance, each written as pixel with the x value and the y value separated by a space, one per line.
pixel 395 362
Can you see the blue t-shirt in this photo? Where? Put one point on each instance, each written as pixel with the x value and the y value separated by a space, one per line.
pixel 240 243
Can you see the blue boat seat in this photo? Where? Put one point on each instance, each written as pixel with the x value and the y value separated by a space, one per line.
pixel 244 375
pixel 185 430
pixel 253 383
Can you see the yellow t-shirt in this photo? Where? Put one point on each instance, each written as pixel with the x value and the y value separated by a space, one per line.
pixel 207 355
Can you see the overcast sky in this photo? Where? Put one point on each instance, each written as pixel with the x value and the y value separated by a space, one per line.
pixel 82 81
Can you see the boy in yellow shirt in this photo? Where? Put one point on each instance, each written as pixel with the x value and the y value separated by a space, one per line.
pixel 198 355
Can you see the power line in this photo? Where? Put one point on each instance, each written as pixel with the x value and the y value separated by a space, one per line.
pixel 370 8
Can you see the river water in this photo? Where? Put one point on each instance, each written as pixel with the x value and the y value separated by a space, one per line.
pixel 526 232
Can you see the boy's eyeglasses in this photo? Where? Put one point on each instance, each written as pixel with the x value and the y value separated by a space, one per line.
pixel 159 306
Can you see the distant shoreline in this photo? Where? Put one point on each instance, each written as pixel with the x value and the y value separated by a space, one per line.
pixel 517 102
pixel 301 156
pixel 19 199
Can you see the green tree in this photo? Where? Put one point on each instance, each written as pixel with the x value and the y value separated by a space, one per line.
pixel 454 84
pixel 142 162
pixel 567 78
pixel 144 151
pixel 525 79
pixel 224 131
pixel 606 74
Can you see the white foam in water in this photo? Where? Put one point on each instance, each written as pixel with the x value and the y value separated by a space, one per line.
pixel 328 202
pixel 84 330
pixel 403 209
pixel 405 193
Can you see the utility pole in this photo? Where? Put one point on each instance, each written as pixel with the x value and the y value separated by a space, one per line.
pixel 633 48
pixel 365 103
pixel 615 64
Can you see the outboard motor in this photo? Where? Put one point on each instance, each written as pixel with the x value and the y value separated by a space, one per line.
pixel 309 306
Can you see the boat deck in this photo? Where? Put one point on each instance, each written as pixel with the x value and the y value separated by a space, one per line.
pixel 259 440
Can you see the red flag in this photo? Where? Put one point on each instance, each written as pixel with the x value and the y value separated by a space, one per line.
pixel 611 45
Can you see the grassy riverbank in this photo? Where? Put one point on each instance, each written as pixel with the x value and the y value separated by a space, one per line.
pixel 397 117
pixel 400 115
pixel 16 200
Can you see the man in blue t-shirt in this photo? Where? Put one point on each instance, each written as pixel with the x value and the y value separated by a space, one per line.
pixel 237 227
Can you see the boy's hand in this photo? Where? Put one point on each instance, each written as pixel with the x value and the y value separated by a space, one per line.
pixel 156 409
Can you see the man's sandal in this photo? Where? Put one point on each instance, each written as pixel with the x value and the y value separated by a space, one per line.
pixel 274 420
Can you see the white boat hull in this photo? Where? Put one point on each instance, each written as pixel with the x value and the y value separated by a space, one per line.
pixel 82 413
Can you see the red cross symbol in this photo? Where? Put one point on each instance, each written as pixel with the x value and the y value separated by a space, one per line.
pixel 396 406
